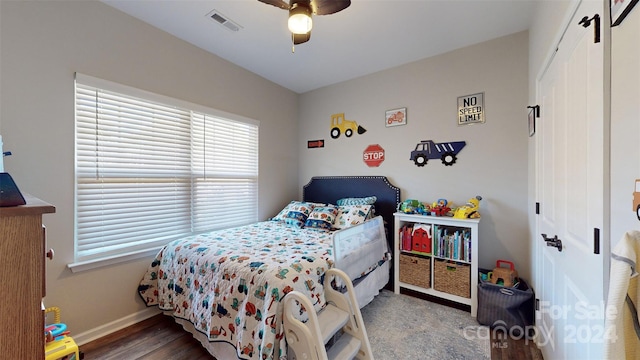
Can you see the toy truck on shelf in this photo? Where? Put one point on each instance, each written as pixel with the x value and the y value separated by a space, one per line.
pixel 446 152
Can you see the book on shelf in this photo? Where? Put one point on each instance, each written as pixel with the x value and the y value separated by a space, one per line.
pixel 443 241
pixel 406 240
pixel 452 243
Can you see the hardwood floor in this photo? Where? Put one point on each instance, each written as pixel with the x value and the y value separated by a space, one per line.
pixel 159 337
pixel 503 348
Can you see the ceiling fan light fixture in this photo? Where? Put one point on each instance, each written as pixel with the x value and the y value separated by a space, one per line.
pixel 300 19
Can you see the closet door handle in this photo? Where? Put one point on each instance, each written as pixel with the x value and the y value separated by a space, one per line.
pixel 50 254
pixel 553 242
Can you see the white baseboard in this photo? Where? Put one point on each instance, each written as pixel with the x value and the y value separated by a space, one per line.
pixel 115 325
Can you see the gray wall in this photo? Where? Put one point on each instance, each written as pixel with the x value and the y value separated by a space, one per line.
pixel 42 44
pixel 493 164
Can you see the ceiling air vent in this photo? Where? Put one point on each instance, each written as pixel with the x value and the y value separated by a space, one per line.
pixel 223 20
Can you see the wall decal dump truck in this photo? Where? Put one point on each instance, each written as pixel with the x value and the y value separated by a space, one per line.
pixel 446 152
pixel 340 125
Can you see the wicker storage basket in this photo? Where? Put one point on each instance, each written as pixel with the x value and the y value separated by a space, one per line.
pixel 452 277
pixel 415 270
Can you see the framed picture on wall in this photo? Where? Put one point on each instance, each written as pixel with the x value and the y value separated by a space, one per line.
pixel 620 9
pixel 395 117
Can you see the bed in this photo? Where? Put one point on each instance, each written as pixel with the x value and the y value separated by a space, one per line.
pixel 226 287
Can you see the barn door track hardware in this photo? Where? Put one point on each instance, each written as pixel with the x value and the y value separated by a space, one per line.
pixel 586 22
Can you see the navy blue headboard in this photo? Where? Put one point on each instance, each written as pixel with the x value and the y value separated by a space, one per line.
pixel 328 189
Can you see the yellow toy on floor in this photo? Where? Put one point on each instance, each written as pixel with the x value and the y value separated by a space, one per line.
pixel 63 348
pixel 58 344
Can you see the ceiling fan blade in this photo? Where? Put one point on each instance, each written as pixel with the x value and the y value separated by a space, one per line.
pixel 301 38
pixel 277 3
pixel 326 7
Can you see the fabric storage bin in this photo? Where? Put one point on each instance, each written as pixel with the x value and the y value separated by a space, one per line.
pixel 452 277
pixel 415 270
pixel 511 308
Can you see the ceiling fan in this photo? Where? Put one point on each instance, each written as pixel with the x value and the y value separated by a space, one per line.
pixel 300 11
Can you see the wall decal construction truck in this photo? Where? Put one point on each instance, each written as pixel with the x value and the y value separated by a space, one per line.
pixel 341 125
pixel 427 149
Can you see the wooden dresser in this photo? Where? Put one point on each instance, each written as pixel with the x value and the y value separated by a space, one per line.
pixel 22 265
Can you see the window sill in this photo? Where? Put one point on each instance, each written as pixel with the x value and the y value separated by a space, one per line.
pixel 80 266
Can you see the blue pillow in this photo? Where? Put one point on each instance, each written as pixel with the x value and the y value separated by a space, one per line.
pixel 295 213
pixel 322 217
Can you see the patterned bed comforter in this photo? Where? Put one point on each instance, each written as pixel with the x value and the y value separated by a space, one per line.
pixel 229 284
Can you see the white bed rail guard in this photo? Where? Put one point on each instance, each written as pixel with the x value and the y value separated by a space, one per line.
pixel 358 248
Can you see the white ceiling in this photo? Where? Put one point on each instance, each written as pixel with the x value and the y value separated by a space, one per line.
pixel 368 36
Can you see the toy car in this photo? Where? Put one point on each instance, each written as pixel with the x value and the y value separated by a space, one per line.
pixel 411 207
pixel 470 210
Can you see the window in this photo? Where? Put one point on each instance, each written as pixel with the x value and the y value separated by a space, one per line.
pixel 150 169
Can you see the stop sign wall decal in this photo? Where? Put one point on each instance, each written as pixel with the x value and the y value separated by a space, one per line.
pixel 373 155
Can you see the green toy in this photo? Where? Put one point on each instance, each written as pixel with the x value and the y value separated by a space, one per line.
pixel 410 206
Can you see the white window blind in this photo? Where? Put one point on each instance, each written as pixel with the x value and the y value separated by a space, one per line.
pixel 148 171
